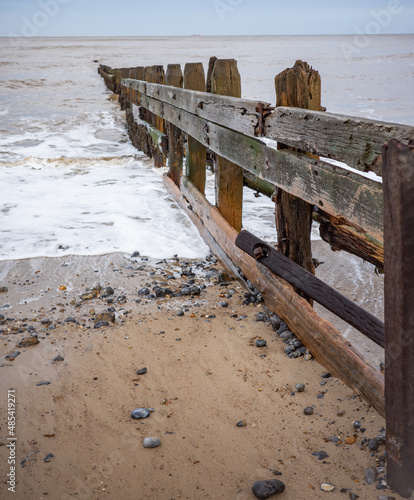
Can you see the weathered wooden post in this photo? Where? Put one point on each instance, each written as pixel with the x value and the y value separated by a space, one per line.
pixel 225 80
pixel 398 184
pixel 298 87
pixel 174 78
pixel 158 76
pixel 194 79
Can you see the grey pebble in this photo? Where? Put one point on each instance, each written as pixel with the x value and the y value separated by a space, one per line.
pixel 42 383
pixel 142 371
pixel 260 343
pixel 241 423
pixel 265 489
pixel 308 410
pixel 57 359
pixel 152 442
pixel 180 313
pixel 13 355
pixel 140 413
pixel 321 455
pixel 48 457
pixel 300 387
pixel 223 304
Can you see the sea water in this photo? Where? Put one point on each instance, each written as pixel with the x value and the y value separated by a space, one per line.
pixel 72 183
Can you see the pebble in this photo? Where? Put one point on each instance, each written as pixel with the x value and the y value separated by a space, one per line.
pixel 242 423
pixel 144 291
pixel 70 319
pixel 3 289
pixel 107 291
pixel 48 457
pixel 135 254
pixel 260 343
pixel 142 371
pixel 152 442
pixel 13 356
pixel 300 387
pixel 180 313
pixel 326 375
pixel 386 497
pixel 99 324
pixel 357 424
pixel 223 304
pixel 265 489
pixel 28 341
pixel 42 383
pixel 321 455
pixel 327 487
pixel 308 410
pixel 140 413
pixel 350 440
pixel 370 476
pixel 108 317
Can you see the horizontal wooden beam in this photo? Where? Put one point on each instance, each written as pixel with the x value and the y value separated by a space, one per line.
pixel 355 141
pixel 313 287
pixel 336 190
pixel 324 341
pixel 242 115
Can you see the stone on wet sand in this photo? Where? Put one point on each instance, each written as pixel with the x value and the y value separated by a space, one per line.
pixel 152 442
pixel 140 413
pixel 266 489
pixel 142 371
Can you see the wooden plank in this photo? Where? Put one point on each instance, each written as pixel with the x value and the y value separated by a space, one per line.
pixel 174 78
pixel 225 80
pixel 321 338
pixel 338 191
pixel 342 235
pixel 398 173
pixel 355 141
pixel 195 80
pixel 313 287
pixel 239 114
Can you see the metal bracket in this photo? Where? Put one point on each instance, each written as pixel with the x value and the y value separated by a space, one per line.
pixel 263 113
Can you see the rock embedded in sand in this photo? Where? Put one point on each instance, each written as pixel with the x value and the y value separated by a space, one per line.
pixel 152 442
pixel 108 317
pixel 28 341
pixel 142 371
pixel 321 455
pixel 45 382
pixel 260 343
pixel 57 359
pixel 266 489
pixel 241 423
pixel 140 413
pixel 13 355
pixel 144 291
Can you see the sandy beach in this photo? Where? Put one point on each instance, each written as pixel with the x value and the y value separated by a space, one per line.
pixel 204 375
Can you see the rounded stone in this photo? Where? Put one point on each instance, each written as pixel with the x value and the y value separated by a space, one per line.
pixel 242 423
pixel 140 413
pixel 327 487
pixel 152 442
pixel 265 489
pixel 300 387
pixel 260 343
pixel 142 371
pixel 308 410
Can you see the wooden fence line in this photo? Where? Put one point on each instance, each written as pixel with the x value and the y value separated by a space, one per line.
pixel 348 205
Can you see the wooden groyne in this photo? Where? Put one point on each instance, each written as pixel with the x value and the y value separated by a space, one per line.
pixel 187 120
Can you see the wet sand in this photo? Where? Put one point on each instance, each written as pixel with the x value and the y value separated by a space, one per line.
pixel 204 374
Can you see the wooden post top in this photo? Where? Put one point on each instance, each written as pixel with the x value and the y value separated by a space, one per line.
pixel 194 77
pixel 225 78
pixel 299 87
pixel 174 76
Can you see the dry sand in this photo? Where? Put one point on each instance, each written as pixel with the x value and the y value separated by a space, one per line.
pixel 204 375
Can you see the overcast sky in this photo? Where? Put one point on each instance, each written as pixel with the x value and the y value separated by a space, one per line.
pixel 207 17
